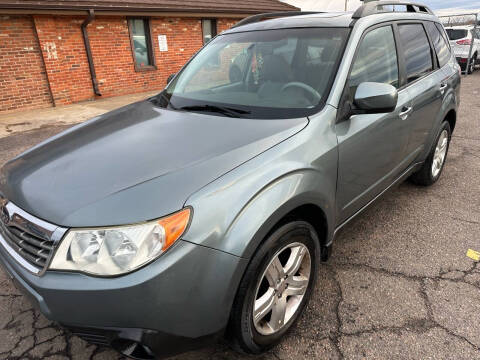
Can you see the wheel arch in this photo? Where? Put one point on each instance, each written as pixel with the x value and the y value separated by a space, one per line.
pixel 310 213
pixel 451 117
pixel 301 208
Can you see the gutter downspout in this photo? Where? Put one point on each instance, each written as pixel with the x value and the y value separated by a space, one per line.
pixel 86 40
pixel 43 61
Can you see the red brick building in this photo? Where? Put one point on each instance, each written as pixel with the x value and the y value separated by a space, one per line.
pixel 57 52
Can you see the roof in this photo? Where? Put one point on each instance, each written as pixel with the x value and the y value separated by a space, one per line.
pixel 201 6
pixel 334 19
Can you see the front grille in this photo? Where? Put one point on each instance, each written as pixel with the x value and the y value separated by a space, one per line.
pixel 28 239
pixel 34 249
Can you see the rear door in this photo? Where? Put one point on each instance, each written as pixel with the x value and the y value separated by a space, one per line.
pixel 371 146
pixel 425 82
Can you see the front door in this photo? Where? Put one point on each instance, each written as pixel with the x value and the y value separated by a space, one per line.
pixel 372 147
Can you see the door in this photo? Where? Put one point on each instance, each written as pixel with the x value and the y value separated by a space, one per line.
pixel 426 82
pixel 372 147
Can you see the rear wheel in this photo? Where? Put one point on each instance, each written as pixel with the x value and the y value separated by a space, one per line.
pixel 471 68
pixel 275 288
pixel 433 166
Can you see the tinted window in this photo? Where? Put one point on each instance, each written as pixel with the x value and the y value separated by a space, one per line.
pixel 141 43
pixel 441 48
pixel 417 52
pixel 456 34
pixel 376 59
pixel 209 29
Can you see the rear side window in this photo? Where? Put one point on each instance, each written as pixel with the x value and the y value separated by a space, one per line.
pixel 439 43
pixel 376 59
pixel 417 51
pixel 456 34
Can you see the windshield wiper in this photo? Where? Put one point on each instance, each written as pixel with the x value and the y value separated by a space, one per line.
pixel 227 111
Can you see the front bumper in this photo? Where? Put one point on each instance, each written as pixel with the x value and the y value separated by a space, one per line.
pixel 170 306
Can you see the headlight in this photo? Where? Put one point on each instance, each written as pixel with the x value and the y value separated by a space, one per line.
pixel 121 249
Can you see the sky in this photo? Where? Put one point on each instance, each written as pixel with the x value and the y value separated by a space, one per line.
pixel 440 6
pixel 459 4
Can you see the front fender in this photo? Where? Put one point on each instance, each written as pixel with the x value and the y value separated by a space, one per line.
pixel 240 234
pixel 234 213
pixel 272 204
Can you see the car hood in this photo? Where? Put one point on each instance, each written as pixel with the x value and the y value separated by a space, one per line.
pixel 134 164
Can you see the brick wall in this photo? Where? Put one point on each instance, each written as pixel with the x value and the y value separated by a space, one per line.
pixel 113 57
pixel 23 82
pixel 225 24
pixel 65 58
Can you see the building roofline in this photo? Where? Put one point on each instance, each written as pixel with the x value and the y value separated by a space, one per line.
pixel 133 7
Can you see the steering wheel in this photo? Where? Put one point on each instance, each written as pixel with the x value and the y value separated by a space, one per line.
pixel 314 93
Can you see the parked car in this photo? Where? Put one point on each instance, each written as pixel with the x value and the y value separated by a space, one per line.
pixel 462 38
pixel 206 210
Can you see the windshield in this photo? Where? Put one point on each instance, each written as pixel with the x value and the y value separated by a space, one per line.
pixel 456 34
pixel 263 74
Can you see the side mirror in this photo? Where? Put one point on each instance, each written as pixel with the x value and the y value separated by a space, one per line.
pixel 170 78
pixel 375 98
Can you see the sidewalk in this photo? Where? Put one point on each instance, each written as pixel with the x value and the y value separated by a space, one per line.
pixel 20 121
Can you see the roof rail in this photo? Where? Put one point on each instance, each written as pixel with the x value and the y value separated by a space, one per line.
pixel 260 17
pixel 378 7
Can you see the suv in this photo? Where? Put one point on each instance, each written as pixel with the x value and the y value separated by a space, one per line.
pixel 206 210
pixel 465 42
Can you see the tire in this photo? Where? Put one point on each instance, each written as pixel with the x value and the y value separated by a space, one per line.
pixel 428 175
pixel 471 69
pixel 254 337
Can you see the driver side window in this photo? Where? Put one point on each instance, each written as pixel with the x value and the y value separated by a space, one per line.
pixel 376 60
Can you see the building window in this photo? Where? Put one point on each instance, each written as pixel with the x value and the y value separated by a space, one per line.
pixel 141 42
pixel 209 29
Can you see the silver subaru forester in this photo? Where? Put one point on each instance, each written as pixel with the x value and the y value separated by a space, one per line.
pixel 205 210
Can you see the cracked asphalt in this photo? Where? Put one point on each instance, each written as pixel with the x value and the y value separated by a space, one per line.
pixel 398 286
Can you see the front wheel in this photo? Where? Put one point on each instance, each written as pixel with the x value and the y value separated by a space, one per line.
pixel 275 288
pixel 433 166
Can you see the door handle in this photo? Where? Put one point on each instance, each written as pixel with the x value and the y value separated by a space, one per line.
pixel 443 87
pixel 405 112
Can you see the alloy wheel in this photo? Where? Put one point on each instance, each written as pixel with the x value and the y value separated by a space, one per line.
pixel 440 153
pixel 281 288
